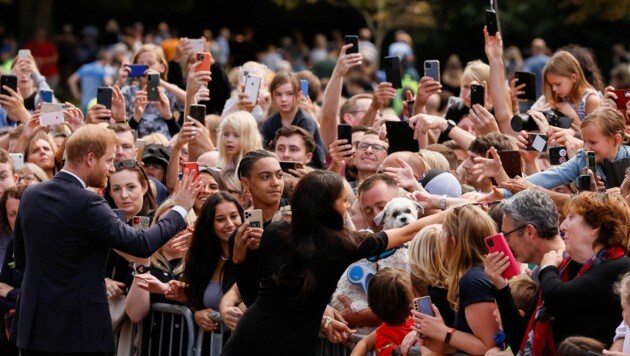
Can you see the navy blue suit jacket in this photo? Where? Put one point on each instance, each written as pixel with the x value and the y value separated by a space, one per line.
pixel 62 235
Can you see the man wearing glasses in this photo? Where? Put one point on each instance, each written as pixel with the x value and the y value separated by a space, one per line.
pixel 371 152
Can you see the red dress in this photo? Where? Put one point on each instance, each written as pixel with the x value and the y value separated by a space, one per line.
pixel 389 337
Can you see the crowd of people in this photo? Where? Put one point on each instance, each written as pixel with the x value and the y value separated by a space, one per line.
pixel 258 214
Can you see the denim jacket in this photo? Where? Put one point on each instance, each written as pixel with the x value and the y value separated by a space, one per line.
pixel 569 171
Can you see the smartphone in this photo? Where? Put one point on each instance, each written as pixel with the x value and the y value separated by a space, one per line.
pixel 392 71
pixel 198 112
pixel 344 132
pixel 432 69
pixel 477 95
pixel 18 160
pixel 104 97
pixel 140 222
pixel 497 243
pixel 197 45
pixel 592 164
pixel 194 167
pixel 400 137
pixel 410 104
pixel 206 60
pixel 24 53
pixel 286 165
pixel 51 118
pixel 255 217
pixel 153 82
pixel 121 213
pixel 140 144
pixel 423 305
pixel 511 162
pixel 529 79
pixel 491 22
pixel 10 81
pixel 252 86
pixel 137 70
pixel 558 155
pixel 53 107
pixel 584 183
pixel 304 87
pixel 536 142
pixel 354 40
pixel 46 95
pixel 623 95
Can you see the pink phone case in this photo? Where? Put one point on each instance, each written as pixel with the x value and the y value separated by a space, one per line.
pixel 497 243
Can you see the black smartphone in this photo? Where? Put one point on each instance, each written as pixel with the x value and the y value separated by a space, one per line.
pixel 355 43
pixel 392 71
pixel 286 165
pixel 198 112
pixel 104 97
pixel 153 81
pixel 10 81
pixel 584 182
pixel 400 137
pixel 410 104
pixel 536 142
pixel 592 164
pixel 477 95
pixel 558 155
pixel 344 132
pixel 511 162
pixel 529 79
pixel 491 22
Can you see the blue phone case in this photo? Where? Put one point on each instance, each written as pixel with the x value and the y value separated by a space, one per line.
pixel 47 96
pixel 137 70
pixel 304 85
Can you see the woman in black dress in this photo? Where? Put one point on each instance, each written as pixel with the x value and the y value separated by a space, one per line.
pixel 300 264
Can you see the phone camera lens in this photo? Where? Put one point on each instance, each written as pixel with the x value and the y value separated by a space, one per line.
pixel 428 65
pixel 490 243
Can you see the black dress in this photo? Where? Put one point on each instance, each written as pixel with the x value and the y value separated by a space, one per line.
pixel 277 323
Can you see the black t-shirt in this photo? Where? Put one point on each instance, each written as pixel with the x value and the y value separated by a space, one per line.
pixel 474 287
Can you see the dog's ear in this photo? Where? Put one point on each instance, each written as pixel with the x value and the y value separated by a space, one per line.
pixel 378 219
pixel 419 207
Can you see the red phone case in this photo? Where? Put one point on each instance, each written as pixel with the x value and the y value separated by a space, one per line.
pixel 497 243
pixel 192 166
pixel 623 95
pixel 206 60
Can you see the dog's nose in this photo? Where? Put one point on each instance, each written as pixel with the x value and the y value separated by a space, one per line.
pixel 403 219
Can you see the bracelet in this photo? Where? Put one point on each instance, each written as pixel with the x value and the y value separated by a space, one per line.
pixel 449 333
pixel 326 322
pixel 443 202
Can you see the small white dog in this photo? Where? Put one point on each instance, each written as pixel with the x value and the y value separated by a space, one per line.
pixel 399 212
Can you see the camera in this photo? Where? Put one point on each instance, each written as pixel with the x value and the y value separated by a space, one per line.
pixel 526 122
pixel 490 243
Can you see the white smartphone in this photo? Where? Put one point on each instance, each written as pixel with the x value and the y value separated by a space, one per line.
pixel 197 45
pixel 24 53
pixel 255 217
pixel 18 160
pixel 252 85
pixel 53 107
pixel 51 118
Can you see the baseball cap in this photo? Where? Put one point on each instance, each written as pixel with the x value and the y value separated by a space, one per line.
pixel 439 182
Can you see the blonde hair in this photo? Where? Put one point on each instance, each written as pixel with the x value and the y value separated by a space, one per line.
pixel 609 121
pixel 468 225
pixel 524 291
pixel 426 260
pixel 622 288
pixel 478 71
pixel 249 137
pixel 564 64
pixel 435 160
pixel 155 138
pixel 35 170
pixel 159 54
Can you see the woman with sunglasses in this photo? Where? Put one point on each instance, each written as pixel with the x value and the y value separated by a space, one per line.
pixel 301 263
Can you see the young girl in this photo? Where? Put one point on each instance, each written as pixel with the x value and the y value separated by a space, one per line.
pixel 237 135
pixel 156 116
pixel 285 91
pixel 566 89
pixel 621 341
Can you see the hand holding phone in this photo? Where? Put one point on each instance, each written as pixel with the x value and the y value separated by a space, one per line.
pixel 153 82
pixel 423 305
pixel 192 167
pixel 255 217
pixel 104 97
pixel 286 166
pixel 391 66
pixel 304 87
pixel 623 95
pixel 198 112
pixel 477 95
pixel 497 243
pixel 51 118
pixel 432 69
pixel 252 87
pixel 354 40
pixel 206 60
pixel 592 163
pixel 10 81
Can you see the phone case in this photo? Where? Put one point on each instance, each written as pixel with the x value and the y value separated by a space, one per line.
pixel 255 217
pixel 432 69
pixel 137 70
pixel 511 161
pixel 529 79
pixel 10 81
pixel 252 86
pixel 198 112
pixel 206 60
pixel 197 45
pixel 304 87
pixel 140 222
pixel 558 155
pixel 140 144
pixel 423 305
pixel 355 43
pixel 623 95
pixel 51 118
pixel 18 160
pixel 400 137
pixel 392 71
pixel 590 160
pixel 53 107
pixel 192 166
pixel 153 81
pixel 497 243
pixel 477 95
pixel 46 95
pixel 585 182
pixel 536 142
pixel 24 53
pixel 286 165
pixel 104 97
pixel 491 22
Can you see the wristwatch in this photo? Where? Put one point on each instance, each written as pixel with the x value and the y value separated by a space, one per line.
pixel 449 126
pixel 140 269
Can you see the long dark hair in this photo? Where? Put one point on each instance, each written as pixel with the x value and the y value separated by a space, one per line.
pixel 205 251
pixel 15 193
pixel 316 233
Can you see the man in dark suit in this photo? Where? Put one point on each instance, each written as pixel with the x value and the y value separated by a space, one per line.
pixel 62 235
